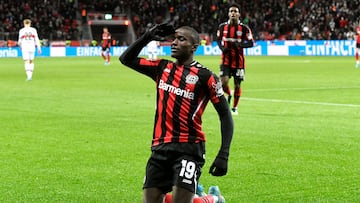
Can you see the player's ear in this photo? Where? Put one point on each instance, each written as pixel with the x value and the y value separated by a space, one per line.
pixel 194 47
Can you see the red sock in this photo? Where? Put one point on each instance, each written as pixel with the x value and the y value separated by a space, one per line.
pixel 357 56
pixel 227 89
pixel 168 198
pixel 204 199
pixel 237 94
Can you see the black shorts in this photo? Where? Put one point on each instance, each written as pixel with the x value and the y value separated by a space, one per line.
pixel 237 73
pixel 175 164
pixel 358 45
pixel 106 48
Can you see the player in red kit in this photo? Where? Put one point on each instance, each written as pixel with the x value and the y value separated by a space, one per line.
pixel 184 88
pixel 232 37
pixel 357 47
pixel 106 44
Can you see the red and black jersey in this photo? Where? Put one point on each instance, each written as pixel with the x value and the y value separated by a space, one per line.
pixel 229 37
pixel 182 95
pixel 358 35
pixel 106 40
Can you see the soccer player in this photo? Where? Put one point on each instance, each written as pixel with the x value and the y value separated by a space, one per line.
pixel 232 37
pixel 184 88
pixel 28 42
pixel 357 47
pixel 152 49
pixel 106 44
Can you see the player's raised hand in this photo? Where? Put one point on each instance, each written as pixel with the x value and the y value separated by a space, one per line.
pixel 160 31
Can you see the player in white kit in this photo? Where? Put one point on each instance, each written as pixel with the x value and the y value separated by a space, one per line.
pixel 28 41
pixel 152 49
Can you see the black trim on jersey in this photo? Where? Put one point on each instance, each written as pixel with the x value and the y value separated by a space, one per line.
pixel 194 103
pixel 227 43
pixel 176 110
pixel 162 65
pixel 164 104
pixel 237 50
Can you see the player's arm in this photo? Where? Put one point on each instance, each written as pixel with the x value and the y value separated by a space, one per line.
pixel 220 164
pixel 19 39
pixel 216 93
pixel 37 41
pixel 219 35
pixel 130 56
pixel 248 40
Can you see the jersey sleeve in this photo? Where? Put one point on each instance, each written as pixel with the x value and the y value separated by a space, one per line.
pixel 219 35
pixel 37 40
pixel 215 88
pixel 150 68
pixel 248 33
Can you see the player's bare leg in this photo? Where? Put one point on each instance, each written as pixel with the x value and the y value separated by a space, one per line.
pixel 153 195
pixel 181 195
pixel 225 85
pixel 29 69
pixel 237 95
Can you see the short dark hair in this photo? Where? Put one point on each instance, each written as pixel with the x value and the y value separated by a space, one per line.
pixel 236 5
pixel 195 37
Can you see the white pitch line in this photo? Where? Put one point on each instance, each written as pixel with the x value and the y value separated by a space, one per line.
pixel 301 88
pixel 300 102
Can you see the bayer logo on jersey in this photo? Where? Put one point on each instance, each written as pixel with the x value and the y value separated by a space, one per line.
pixel 191 79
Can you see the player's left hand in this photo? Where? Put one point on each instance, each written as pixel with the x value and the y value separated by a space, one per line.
pixel 160 31
pixel 219 166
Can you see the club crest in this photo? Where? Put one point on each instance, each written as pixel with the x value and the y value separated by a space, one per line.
pixel 191 79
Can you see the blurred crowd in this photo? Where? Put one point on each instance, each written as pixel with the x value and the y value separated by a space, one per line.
pixel 268 19
pixel 55 20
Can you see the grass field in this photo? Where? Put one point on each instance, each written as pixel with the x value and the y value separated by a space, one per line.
pixel 81 131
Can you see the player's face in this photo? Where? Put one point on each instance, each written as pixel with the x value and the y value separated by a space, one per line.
pixel 234 14
pixel 182 46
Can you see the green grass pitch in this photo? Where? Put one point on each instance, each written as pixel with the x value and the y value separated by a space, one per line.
pixel 81 131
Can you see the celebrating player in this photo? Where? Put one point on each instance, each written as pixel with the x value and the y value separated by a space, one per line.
pixel 106 44
pixel 183 89
pixel 28 41
pixel 232 37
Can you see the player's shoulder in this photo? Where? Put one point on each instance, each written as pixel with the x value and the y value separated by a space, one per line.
pixel 244 25
pixel 203 69
pixel 223 24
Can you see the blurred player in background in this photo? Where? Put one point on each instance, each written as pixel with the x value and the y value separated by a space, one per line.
pixel 105 45
pixel 152 49
pixel 357 46
pixel 232 37
pixel 184 89
pixel 28 41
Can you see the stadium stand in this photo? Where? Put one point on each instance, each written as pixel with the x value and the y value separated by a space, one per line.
pixel 269 19
pixel 54 20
